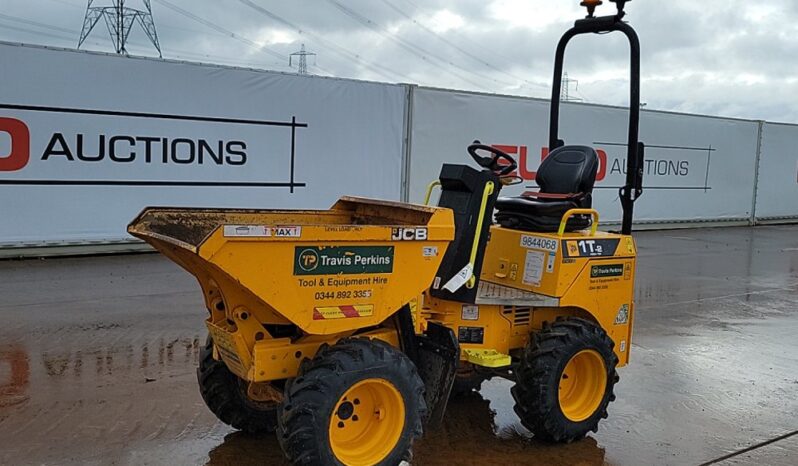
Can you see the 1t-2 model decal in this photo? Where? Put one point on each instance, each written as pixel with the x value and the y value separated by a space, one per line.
pixel 589 247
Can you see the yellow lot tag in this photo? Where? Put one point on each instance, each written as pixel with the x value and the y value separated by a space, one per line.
pixel 343 312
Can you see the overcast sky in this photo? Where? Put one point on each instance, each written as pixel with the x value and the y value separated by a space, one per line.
pixel 732 58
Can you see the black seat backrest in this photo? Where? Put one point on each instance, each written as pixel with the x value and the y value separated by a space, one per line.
pixel 462 188
pixel 568 170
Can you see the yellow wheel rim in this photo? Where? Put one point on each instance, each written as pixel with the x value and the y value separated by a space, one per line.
pixel 367 422
pixel 582 385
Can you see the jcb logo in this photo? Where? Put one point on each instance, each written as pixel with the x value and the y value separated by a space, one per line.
pixel 409 234
pixel 19 152
pixel 308 260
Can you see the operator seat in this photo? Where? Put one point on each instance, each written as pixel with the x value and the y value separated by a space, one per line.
pixel 566 179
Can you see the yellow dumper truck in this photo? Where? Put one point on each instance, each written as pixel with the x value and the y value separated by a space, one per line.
pixel 345 329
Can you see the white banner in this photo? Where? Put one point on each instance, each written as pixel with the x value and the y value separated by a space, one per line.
pixel 87 140
pixel 696 168
pixel 777 189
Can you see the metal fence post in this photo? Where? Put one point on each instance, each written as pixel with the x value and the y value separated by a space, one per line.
pixel 407 141
pixel 760 125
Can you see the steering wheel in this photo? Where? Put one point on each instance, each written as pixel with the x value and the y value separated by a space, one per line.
pixel 492 162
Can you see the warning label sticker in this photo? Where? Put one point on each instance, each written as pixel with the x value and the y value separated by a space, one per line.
pixel 533 267
pixel 343 312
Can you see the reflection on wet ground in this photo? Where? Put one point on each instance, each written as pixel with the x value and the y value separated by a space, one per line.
pixel 14 372
pixel 475 434
pixel 97 361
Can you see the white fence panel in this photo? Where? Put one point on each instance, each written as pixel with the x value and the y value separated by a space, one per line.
pixel 777 187
pixel 697 168
pixel 87 140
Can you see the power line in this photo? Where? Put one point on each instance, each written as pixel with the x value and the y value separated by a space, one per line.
pixel 227 33
pixel 70 38
pixel 161 26
pixel 474 43
pixel 119 20
pixel 480 46
pixel 412 4
pixel 220 29
pixel 179 53
pixel 412 48
pixel 173 52
pixel 465 52
pixel 34 32
pixel 440 37
pixel 36 23
pixel 67 3
pixel 377 68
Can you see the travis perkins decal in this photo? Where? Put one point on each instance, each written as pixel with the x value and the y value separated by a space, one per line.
pixel 335 260
pixel 606 270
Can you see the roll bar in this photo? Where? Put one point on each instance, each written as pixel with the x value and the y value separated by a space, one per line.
pixel 633 187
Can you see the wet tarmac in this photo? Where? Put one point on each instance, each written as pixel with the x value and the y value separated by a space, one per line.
pixel 97 361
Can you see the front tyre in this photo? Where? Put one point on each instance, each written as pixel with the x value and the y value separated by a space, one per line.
pixel 565 380
pixel 358 402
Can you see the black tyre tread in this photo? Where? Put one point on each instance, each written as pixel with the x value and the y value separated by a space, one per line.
pixel 222 393
pixel 316 387
pixel 536 389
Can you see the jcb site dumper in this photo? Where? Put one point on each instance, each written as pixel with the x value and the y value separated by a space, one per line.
pixel 345 330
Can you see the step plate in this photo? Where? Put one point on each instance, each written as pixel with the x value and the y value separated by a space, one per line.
pixel 491 293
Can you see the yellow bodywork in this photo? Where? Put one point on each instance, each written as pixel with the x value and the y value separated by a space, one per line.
pixel 346 270
pixel 588 274
pixel 332 273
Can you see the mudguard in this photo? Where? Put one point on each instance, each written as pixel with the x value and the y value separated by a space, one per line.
pixel 437 356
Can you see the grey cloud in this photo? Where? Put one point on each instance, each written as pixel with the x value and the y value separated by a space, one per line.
pixel 734 58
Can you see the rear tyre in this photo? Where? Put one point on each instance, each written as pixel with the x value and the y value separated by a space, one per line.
pixel 565 380
pixel 358 402
pixel 225 394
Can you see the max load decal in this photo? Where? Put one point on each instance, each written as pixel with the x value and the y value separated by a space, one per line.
pixel 262 231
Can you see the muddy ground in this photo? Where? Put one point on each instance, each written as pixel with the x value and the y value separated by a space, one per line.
pixel 98 357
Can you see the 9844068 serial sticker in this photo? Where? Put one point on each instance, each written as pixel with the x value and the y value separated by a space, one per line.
pixel 539 242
